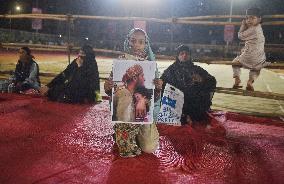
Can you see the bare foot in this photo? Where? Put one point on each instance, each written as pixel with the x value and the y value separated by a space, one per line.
pixel 43 90
pixel 188 120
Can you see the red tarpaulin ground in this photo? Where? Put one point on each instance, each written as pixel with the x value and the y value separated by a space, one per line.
pixel 47 142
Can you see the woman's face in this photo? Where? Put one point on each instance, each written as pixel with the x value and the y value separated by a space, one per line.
pixel 137 42
pixel 252 20
pixel 183 56
pixel 22 55
pixel 81 54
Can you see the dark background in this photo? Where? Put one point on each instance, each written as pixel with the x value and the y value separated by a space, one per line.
pixel 116 30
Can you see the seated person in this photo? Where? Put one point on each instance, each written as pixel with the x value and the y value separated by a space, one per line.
pixel 26 74
pixel 196 83
pixel 78 83
pixel 131 139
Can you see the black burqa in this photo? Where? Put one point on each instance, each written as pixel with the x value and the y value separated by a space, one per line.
pixel 197 95
pixel 76 84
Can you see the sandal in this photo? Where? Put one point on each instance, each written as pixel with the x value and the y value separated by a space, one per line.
pixel 249 88
pixel 237 86
pixel 237 83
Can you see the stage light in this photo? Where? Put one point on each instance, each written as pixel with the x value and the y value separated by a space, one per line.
pixel 18 8
pixel 60 36
pixel 87 38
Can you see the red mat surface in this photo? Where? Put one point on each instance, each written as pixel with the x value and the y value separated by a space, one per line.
pixel 46 142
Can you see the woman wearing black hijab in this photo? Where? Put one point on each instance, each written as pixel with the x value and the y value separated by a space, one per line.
pixel 78 83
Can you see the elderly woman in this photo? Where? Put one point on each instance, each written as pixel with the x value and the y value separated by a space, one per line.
pixel 78 83
pixel 196 83
pixel 133 139
pixel 26 74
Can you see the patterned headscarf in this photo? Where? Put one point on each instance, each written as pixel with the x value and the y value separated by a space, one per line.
pixel 132 72
pixel 149 53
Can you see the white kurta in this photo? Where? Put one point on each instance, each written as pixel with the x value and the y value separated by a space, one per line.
pixel 253 56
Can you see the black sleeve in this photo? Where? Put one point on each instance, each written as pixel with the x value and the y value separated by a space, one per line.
pixel 109 92
pixel 166 78
pixel 207 85
pixel 94 81
pixel 209 82
pixel 17 72
pixel 60 78
pixel 96 78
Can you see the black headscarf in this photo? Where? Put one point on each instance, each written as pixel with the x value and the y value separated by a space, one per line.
pixel 187 49
pixel 29 52
pixel 90 54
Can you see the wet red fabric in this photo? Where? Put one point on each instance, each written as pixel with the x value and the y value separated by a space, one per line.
pixel 48 142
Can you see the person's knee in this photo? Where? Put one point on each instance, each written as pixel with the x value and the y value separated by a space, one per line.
pixel 253 75
pixel 236 62
pixel 150 147
pixel 148 138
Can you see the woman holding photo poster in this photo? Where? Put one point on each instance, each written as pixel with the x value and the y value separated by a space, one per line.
pixel 126 108
pixel 133 139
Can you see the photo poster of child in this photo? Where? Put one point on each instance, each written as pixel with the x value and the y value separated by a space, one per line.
pixel 133 91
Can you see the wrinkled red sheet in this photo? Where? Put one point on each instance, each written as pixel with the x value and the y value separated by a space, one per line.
pixel 48 142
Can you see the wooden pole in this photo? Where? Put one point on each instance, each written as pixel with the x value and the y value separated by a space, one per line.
pixel 68 37
pixel 259 94
pixel 137 18
pixel 184 20
pixel 163 57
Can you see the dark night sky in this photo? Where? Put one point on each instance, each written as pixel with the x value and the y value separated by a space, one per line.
pixel 153 8
pixel 146 8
